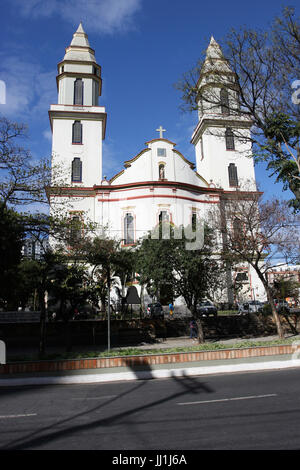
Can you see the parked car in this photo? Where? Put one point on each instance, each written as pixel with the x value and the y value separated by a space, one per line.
pixel 207 308
pixel 155 310
pixel 282 306
pixel 252 306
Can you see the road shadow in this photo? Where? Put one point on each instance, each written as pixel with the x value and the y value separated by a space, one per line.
pixel 54 432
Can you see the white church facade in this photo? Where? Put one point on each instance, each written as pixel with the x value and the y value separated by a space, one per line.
pixel 158 183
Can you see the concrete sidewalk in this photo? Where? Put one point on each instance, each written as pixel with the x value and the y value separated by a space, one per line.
pixel 144 372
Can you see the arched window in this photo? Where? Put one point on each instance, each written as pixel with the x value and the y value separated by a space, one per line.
pixel 232 175
pixel 78 91
pixel 224 99
pixel 77 133
pixel 128 229
pixel 75 228
pixel 161 171
pixel 163 216
pixel 229 138
pixel 76 170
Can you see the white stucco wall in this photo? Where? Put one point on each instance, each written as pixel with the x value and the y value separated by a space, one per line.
pixel 90 151
pixel 213 159
pixel 145 166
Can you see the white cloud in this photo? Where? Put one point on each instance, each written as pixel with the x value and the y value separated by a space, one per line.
pixel 29 90
pixel 99 16
pixel 48 135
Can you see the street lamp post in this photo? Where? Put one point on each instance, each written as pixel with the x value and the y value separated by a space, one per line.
pixel 253 290
pixel 108 310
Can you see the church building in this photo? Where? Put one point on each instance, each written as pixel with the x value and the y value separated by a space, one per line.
pixel 159 182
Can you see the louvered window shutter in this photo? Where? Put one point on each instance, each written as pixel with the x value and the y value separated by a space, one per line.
pixel 224 101
pixel 78 91
pixel 76 170
pixel 229 138
pixel 77 133
pixel 232 174
pixel 129 229
pixel 75 229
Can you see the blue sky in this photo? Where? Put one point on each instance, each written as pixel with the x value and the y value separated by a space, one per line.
pixel 143 47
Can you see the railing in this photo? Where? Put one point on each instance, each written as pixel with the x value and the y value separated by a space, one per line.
pixel 19 316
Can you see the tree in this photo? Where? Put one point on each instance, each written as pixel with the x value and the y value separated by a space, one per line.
pixel 191 272
pixel 264 68
pixel 25 183
pixel 153 262
pixel 11 240
pixel 69 290
pixel 40 275
pixel 125 271
pixel 283 288
pixel 257 233
pixel 196 273
pixel 22 181
pixel 107 261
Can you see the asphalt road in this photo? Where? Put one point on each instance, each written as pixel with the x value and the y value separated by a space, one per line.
pixel 234 411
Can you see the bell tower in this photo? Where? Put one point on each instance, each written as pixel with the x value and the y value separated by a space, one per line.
pixel 78 122
pixel 222 136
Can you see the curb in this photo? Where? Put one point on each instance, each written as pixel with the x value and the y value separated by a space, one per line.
pixel 150 374
pixel 142 360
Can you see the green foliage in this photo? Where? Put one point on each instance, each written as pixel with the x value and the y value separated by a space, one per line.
pixel 191 272
pixel 282 139
pixel 154 263
pixel 11 240
pixel 69 287
pixel 108 261
pixel 266 67
pixel 283 288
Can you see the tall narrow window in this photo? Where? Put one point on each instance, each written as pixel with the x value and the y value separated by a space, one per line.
pixel 224 99
pixel 78 91
pixel 76 170
pixel 161 171
pixel 77 133
pixel 194 220
pixel 128 229
pixel 75 229
pixel 236 235
pixel 229 138
pixel 163 216
pixel 232 175
pixel 95 93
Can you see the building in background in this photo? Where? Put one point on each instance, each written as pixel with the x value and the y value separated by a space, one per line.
pixel 34 249
pixel 159 182
pixel 287 272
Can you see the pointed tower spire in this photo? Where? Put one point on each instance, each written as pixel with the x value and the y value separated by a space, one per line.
pixel 80 38
pixel 214 59
pixel 80 49
pixel 214 51
pixel 80 28
pixel 78 122
pixel 215 138
pixel 79 70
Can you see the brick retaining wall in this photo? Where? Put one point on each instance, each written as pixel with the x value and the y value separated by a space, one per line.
pixel 142 360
